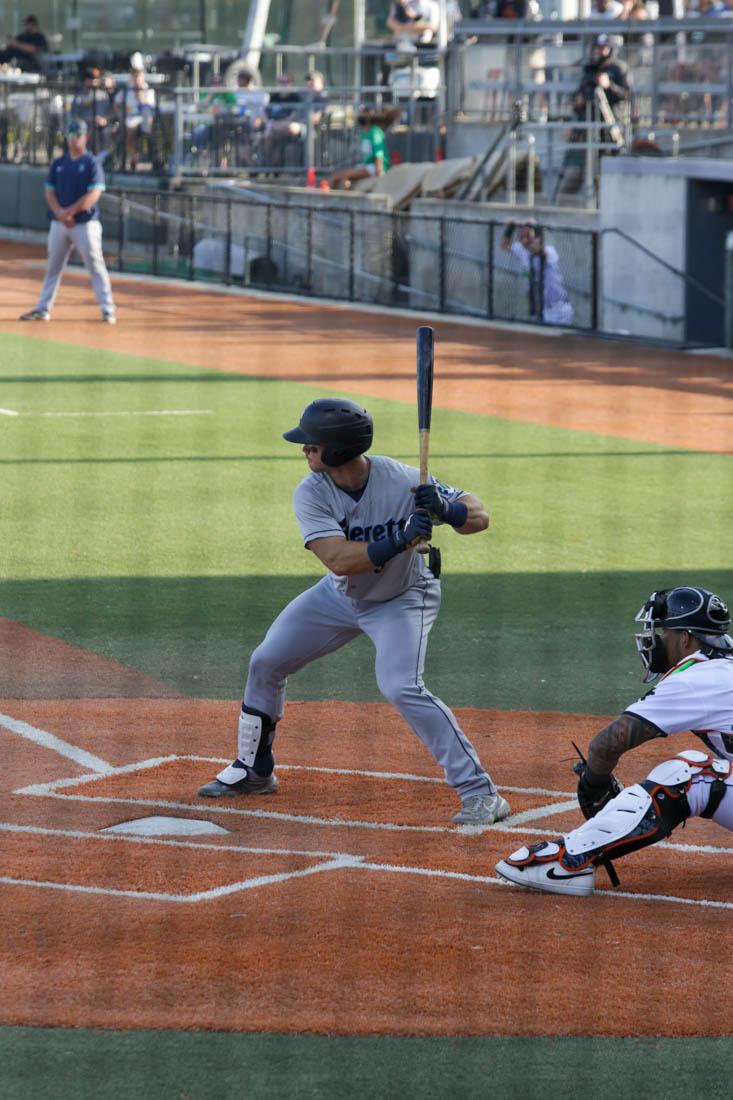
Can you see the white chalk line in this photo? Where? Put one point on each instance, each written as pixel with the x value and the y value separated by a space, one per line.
pixel 379 775
pixel 333 861
pixel 49 741
pixel 137 412
pixel 166 842
pixel 204 895
pixel 512 824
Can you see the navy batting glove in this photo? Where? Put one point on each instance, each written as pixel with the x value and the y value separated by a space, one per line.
pixel 418 526
pixel 429 497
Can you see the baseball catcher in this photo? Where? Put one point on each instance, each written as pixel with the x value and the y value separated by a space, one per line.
pixel 684 645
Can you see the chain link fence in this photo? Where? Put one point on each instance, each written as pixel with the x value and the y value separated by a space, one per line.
pixel 350 252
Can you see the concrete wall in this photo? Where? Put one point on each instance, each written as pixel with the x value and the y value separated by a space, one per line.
pixel 316 238
pixel 22 199
pixel 638 295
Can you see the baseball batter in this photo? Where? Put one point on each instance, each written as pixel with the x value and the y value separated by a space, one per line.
pixel 685 642
pixel 73 189
pixel 361 518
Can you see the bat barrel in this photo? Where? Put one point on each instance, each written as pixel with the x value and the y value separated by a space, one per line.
pixel 425 360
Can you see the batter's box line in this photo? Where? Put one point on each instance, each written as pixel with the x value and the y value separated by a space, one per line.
pixel 188 899
pixel 337 861
pixel 44 788
pixel 512 824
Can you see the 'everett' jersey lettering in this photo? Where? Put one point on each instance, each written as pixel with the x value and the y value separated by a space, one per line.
pixel 325 511
pixel 696 695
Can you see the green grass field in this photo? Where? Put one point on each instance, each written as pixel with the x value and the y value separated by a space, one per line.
pixel 167 542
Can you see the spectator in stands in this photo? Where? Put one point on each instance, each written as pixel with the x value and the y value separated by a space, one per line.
pixel 607 9
pixel 414 23
pixel 635 11
pixel 513 9
pixel 93 104
pixel 372 146
pixel 136 106
pixel 287 114
pixel 26 50
pixel 541 267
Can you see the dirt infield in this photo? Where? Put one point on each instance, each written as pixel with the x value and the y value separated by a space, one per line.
pixel 620 389
pixel 346 903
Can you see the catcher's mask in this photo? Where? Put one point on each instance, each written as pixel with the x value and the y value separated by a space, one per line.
pixel 343 428
pixel 698 611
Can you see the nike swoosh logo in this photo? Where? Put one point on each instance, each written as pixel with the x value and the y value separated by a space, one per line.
pixel 566 877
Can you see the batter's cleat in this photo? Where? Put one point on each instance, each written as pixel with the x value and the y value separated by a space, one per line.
pixel 482 809
pixel 35 315
pixel 109 318
pixel 251 784
pixel 540 868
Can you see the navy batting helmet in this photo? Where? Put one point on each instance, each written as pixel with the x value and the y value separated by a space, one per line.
pixel 697 610
pixel 344 429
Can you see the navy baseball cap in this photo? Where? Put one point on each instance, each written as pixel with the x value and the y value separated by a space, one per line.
pixel 76 128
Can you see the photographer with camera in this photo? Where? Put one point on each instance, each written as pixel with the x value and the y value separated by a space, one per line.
pixel 606 72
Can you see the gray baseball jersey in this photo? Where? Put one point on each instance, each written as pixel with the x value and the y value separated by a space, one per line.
pixel 325 511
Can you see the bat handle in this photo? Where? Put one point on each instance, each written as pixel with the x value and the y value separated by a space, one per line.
pixel 423 546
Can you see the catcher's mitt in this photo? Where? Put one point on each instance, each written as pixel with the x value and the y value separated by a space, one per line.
pixel 593 798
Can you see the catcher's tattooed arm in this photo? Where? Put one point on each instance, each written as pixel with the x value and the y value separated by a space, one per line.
pixel 624 733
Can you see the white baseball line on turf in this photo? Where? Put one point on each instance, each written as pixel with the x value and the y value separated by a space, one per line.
pixel 79 780
pixel 9 412
pixel 129 838
pixel 492 881
pixel 334 861
pixel 205 895
pixel 378 775
pixel 139 412
pixel 512 824
pixel 306 819
pixel 56 744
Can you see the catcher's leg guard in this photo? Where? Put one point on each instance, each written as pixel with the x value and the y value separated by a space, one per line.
pixel 639 816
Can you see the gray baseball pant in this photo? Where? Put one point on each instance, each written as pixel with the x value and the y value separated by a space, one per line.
pixel 86 238
pixel 321 620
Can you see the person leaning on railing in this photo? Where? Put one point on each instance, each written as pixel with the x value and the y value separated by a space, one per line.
pixel 136 106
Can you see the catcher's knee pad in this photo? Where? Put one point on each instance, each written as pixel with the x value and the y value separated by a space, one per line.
pixel 640 815
pixel 255 734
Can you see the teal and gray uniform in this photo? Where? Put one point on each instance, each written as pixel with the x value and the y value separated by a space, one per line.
pixel 395 606
pixel 71 178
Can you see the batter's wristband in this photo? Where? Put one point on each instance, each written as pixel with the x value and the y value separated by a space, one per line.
pixel 383 551
pixel 455 513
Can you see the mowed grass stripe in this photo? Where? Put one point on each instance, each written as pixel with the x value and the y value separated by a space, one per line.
pixel 210 495
pixel 113 1065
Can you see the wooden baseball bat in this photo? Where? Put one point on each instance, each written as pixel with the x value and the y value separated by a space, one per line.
pixel 424 362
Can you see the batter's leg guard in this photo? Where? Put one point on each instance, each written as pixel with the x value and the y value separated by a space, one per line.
pixel 255 735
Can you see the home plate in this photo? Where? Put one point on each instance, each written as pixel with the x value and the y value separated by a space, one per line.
pixel 166 826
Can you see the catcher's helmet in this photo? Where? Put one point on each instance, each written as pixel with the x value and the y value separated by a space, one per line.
pixel 344 429
pixel 697 610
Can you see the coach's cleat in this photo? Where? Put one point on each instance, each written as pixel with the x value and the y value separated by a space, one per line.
pixel 482 809
pixel 35 315
pixel 540 868
pixel 238 780
pixel 109 318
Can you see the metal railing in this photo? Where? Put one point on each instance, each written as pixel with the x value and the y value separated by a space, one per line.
pixel 681 71
pixel 345 251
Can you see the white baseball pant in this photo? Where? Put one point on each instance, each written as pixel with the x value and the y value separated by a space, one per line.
pixel 86 238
